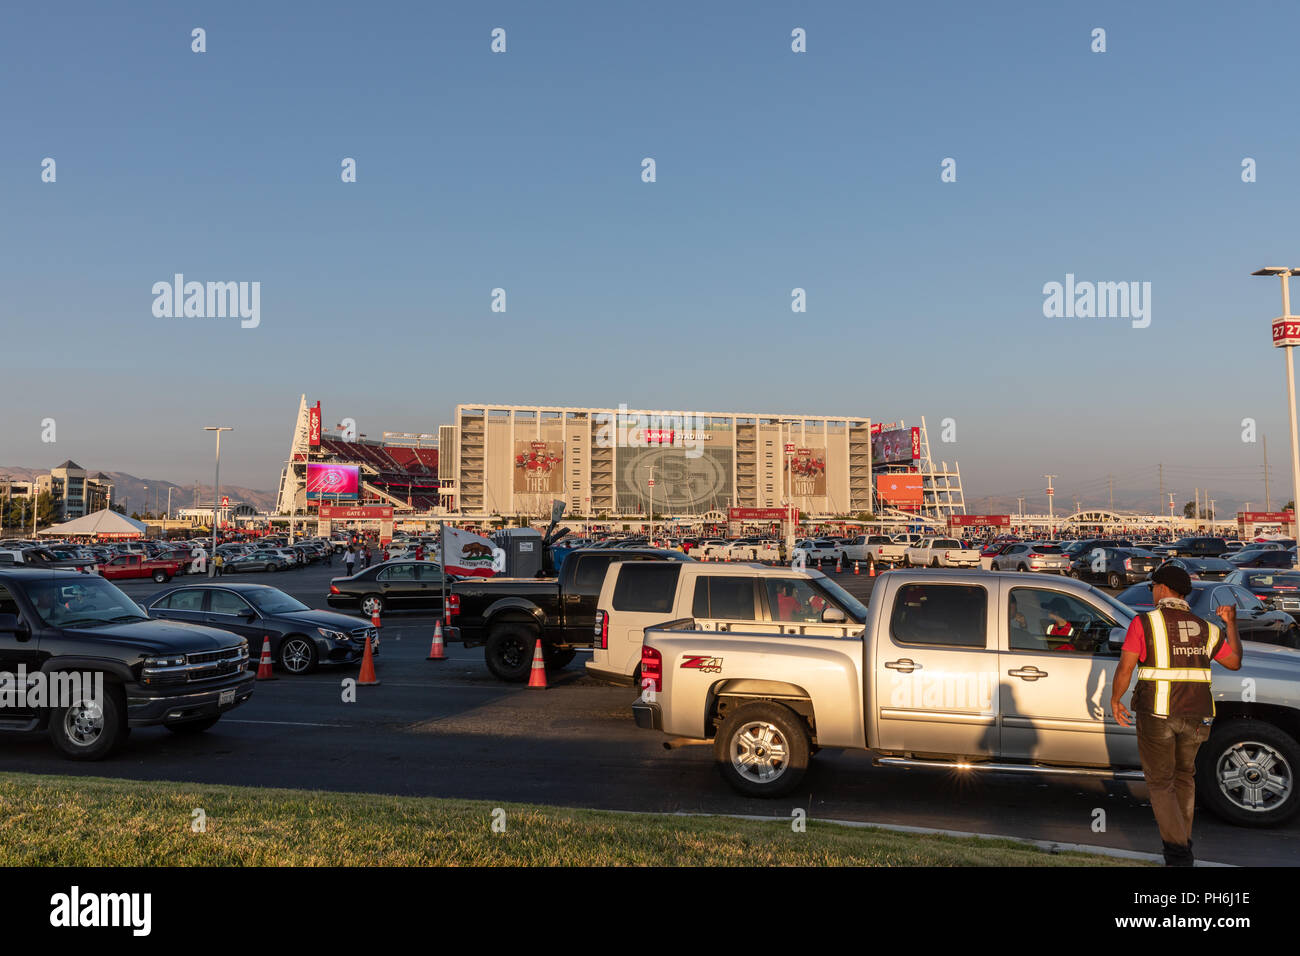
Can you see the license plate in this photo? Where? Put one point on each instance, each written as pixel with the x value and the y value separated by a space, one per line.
pixel 227 698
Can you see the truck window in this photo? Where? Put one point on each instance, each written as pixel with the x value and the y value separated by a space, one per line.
pixel 646 586
pixel 1042 620
pixel 795 599
pixel 724 597
pixel 951 615
pixel 590 573
pixel 7 603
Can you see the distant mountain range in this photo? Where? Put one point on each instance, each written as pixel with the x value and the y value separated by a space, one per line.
pixel 130 491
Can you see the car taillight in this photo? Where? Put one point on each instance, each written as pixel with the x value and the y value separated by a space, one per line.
pixel 1128 564
pixel 453 605
pixel 652 668
pixel 601 630
pixel 334 589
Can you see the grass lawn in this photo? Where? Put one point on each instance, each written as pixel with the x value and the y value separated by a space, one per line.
pixel 94 821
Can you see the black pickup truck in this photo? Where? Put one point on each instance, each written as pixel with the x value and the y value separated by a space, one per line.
pixel 508 615
pixel 81 660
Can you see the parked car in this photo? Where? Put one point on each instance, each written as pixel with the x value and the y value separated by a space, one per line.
pixel 1277 590
pixel 1255 622
pixel 301 638
pixel 821 550
pixel 1038 556
pixel 1203 569
pixel 257 561
pixel 400 585
pixel 1114 567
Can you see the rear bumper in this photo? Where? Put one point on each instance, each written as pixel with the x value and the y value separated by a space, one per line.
pixel 144 709
pixel 647 716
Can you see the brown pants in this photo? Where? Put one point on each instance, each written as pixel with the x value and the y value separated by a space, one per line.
pixel 1168 746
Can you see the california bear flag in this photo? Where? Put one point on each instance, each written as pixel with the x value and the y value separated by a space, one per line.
pixel 469 554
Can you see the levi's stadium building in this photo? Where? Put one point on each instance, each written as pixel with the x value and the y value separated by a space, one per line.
pixel 502 461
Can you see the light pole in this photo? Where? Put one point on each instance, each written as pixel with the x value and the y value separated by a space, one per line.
pixel 1051 513
pixel 1286 334
pixel 216 492
pixel 169 504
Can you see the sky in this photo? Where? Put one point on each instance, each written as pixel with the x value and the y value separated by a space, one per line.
pixel 774 170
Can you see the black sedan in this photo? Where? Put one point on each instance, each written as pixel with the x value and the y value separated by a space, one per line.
pixel 301 638
pixel 1203 569
pixel 1254 558
pixel 1115 567
pixel 1279 590
pixel 392 586
pixel 1255 622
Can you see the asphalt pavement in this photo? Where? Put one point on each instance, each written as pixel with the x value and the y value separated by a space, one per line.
pixel 450 729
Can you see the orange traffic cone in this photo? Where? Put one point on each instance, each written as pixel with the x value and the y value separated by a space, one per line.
pixel 374 619
pixel 437 651
pixel 367 676
pixel 537 677
pixel 839 563
pixel 873 569
pixel 264 665
pixel 855 568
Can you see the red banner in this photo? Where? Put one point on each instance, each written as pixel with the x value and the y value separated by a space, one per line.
pixel 1265 517
pixel 979 521
pixel 313 426
pixel 339 512
pixel 761 514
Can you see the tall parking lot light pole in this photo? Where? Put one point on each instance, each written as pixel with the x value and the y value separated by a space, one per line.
pixel 216 492
pixel 1286 335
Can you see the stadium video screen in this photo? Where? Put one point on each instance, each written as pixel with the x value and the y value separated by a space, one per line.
pixel 333 482
pixel 683 485
pixel 898 446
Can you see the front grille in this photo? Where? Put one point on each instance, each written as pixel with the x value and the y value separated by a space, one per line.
pixel 361 633
pixel 210 665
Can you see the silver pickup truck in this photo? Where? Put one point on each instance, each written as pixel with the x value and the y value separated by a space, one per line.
pixel 965 671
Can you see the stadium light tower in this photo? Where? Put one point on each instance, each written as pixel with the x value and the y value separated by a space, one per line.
pixel 1286 334
pixel 216 492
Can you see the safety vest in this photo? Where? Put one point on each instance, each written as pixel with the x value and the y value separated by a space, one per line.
pixel 1174 680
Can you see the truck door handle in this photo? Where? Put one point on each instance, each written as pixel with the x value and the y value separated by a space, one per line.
pixel 905 665
pixel 573 598
pixel 1027 673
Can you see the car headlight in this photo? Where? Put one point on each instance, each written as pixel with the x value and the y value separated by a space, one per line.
pixel 331 635
pixel 176 661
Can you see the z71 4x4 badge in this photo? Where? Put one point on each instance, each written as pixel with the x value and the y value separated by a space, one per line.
pixel 710 665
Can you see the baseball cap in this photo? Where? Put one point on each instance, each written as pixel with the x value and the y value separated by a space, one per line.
pixel 1174 577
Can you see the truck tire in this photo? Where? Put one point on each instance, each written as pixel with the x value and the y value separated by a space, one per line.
pixel 934 562
pixel 86 731
pixel 189 727
pixel 509 652
pixel 557 658
pixel 1246 773
pixel 161 577
pixel 762 749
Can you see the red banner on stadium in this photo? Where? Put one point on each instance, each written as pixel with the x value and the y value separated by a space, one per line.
pixel 979 521
pixel 341 512
pixel 899 489
pixel 313 426
pixel 1265 517
pixel 761 514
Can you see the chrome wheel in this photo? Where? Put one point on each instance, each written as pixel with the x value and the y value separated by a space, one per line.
pixel 83 722
pixel 1254 776
pixel 371 605
pixel 758 752
pixel 296 655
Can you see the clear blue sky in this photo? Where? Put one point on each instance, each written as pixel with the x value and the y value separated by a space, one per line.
pixel 775 170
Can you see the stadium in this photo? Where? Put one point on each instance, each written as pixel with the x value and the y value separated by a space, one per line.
pixel 621 463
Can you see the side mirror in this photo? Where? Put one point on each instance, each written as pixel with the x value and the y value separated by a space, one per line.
pixel 248 614
pixel 833 615
pixel 1116 639
pixel 10 624
pixel 143 610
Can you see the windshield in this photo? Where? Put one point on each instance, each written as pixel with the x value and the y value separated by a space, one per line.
pixel 1288 580
pixel 87 602
pixel 271 601
pixel 855 608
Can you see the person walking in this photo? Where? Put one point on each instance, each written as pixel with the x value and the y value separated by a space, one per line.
pixel 349 559
pixel 329 555
pixel 1173 702
pixel 365 556
pixel 217 562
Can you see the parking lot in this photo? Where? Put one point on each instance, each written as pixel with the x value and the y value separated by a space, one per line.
pixel 451 730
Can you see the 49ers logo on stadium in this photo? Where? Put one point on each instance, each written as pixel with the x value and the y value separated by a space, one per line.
pixel 698 662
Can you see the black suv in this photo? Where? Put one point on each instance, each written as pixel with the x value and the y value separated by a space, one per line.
pixel 153 673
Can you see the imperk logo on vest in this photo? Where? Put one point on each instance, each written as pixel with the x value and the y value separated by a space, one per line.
pixel 107 910
pixel 1098 300
pixel 208 300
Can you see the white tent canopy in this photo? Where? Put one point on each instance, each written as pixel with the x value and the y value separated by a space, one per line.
pixel 104 523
